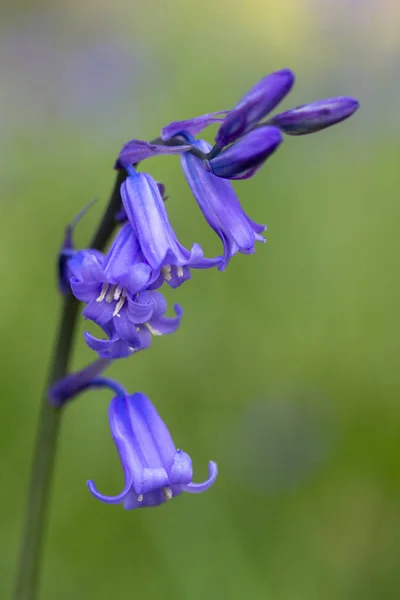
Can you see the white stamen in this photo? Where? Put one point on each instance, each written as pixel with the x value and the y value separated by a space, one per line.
pixel 166 271
pixel 110 294
pixel 179 271
pixel 167 493
pixel 103 292
pixel 152 330
pixel 119 305
pixel 118 292
pixel 140 498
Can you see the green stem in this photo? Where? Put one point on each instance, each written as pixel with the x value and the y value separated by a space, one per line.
pixel 48 428
pixel 27 578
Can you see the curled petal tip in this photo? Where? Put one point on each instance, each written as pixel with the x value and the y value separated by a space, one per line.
pixel 108 499
pixel 197 488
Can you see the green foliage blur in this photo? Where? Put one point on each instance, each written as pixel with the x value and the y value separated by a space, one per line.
pixel 285 369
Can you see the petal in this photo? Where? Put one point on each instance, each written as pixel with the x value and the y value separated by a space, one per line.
pixel 255 105
pixel 134 500
pixel 140 309
pixel 138 150
pixel 110 349
pixel 165 325
pixel 110 499
pixel 123 253
pixel 126 330
pixel 129 448
pixel 192 126
pixel 159 303
pixel 177 276
pixel 99 312
pixel 145 336
pixel 151 434
pixel 197 488
pixel 86 265
pixel 84 291
pixel 181 470
pixel 154 479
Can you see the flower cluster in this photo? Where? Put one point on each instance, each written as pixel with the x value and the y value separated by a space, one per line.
pixel 120 289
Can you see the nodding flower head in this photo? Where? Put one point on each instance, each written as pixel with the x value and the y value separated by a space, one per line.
pixel 221 207
pixel 154 470
pixel 118 290
pixel 148 216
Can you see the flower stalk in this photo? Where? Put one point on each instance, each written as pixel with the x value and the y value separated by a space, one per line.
pixel 27 576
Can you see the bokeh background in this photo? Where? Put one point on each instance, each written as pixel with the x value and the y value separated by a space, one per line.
pixel 285 369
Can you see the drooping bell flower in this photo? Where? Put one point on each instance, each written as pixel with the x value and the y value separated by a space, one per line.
pixel 221 207
pixel 154 470
pixel 117 291
pixel 158 243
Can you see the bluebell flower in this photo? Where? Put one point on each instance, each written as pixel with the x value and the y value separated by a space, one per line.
pixel 118 290
pixel 158 243
pixel 154 470
pixel 221 207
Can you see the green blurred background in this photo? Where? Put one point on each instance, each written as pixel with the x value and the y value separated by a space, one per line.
pixel 285 369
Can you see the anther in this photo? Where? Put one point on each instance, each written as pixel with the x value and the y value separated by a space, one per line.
pixel 119 305
pixel 103 292
pixel 152 330
pixel 118 292
pixel 167 493
pixel 140 498
pixel 179 271
pixel 110 294
pixel 166 271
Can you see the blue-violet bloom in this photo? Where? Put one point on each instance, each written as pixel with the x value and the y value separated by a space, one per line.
pixel 155 471
pixel 148 216
pixel 242 159
pixel 221 207
pixel 117 290
pixel 310 118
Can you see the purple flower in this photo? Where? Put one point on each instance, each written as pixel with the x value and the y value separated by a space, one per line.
pixel 221 208
pixel 119 297
pixel 254 106
pixel 155 471
pixel 315 116
pixel 242 159
pixel 158 243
